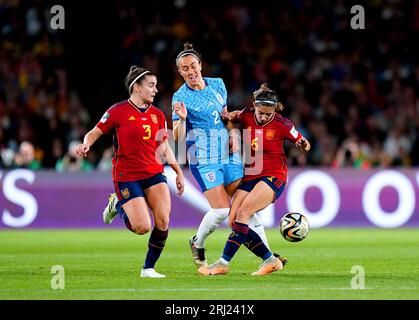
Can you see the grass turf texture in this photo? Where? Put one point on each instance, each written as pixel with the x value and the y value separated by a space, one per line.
pixel 105 264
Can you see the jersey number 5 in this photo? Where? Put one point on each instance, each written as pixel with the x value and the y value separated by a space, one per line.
pixel 147 131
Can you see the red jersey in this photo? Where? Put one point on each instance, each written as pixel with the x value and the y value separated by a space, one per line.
pixel 138 133
pixel 266 145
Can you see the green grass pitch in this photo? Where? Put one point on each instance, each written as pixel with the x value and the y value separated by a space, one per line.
pixel 105 264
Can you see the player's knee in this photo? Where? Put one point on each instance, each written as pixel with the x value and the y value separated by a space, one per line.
pixel 141 229
pixel 221 213
pixel 162 223
pixel 243 212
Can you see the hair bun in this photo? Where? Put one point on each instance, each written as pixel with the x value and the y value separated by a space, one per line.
pixel 187 46
pixel 264 86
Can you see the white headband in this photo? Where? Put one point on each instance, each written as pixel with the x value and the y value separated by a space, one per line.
pixel 135 80
pixel 270 102
pixel 187 54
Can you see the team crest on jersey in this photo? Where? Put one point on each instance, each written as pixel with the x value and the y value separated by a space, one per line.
pixel 270 134
pixel 219 98
pixel 211 176
pixel 154 118
pixel 105 117
pixel 125 193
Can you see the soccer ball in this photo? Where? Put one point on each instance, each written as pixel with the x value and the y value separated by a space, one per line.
pixel 294 227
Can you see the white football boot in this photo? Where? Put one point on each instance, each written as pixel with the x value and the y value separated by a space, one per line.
pixel 151 273
pixel 110 211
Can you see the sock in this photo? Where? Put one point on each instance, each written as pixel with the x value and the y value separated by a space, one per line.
pixel 124 216
pixel 209 223
pixel 235 240
pixel 255 244
pixel 256 225
pixel 155 247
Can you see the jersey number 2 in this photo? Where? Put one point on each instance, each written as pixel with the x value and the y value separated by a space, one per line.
pixel 216 117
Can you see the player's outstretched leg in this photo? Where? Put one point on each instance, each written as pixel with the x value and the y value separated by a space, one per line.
pixel 237 237
pixel 271 261
pixel 110 212
pixel 272 264
pixel 209 223
pixel 198 254
pixel 155 248
pixel 255 223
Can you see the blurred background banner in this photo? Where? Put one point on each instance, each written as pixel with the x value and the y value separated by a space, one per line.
pixel 354 93
pixel 340 198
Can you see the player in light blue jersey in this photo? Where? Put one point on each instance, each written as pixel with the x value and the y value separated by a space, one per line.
pixel 213 156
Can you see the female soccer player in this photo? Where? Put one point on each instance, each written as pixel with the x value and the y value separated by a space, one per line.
pixel 257 191
pixel 197 107
pixel 140 143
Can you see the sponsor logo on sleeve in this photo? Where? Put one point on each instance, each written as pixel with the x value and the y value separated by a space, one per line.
pixel 105 117
pixel 294 132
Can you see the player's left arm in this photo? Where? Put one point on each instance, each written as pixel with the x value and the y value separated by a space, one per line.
pixel 167 154
pixel 296 137
pixel 303 144
pixel 170 158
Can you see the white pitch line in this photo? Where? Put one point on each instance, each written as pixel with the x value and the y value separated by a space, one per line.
pixel 200 289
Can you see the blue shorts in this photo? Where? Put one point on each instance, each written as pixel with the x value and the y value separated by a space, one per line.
pixel 210 176
pixel 134 189
pixel 276 185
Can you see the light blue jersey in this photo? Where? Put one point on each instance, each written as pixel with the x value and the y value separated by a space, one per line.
pixel 205 131
pixel 207 138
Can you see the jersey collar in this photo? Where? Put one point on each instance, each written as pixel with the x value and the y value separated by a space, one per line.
pixel 206 85
pixel 265 124
pixel 142 110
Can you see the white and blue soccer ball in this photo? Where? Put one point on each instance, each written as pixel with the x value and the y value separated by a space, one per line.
pixel 294 227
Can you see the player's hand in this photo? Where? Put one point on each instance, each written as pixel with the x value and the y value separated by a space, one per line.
pixel 180 184
pixel 303 144
pixel 82 150
pixel 180 110
pixel 234 142
pixel 230 116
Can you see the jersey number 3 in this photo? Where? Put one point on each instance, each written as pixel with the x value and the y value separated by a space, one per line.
pixel 147 131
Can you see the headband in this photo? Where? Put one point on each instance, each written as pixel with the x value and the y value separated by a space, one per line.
pixel 268 102
pixel 135 80
pixel 186 54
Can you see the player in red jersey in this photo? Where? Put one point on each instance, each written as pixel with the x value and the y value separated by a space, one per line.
pixel 140 145
pixel 262 187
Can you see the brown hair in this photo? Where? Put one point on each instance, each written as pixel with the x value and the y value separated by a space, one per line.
pixel 188 50
pixel 133 73
pixel 266 96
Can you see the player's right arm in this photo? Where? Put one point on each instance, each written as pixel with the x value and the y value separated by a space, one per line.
pixel 179 127
pixel 106 123
pixel 89 139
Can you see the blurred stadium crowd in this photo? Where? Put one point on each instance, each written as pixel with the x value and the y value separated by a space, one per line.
pixel 353 93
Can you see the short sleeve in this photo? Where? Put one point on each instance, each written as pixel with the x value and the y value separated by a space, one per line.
pixel 223 91
pixel 291 134
pixel 163 134
pixel 108 121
